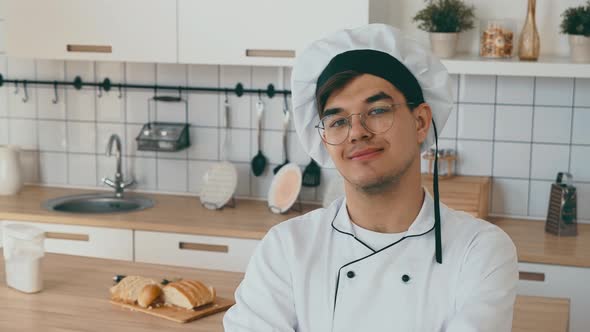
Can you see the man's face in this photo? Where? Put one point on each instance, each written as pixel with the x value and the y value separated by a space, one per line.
pixel 373 162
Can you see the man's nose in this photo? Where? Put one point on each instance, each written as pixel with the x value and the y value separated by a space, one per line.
pixel 357 130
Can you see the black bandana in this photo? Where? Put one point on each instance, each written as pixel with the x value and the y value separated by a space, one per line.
pixel 375 63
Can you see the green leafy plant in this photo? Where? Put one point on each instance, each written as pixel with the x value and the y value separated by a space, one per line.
pixel 576 20
pixel 445 16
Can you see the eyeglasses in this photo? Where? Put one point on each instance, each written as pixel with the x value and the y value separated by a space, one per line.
pixel 335 129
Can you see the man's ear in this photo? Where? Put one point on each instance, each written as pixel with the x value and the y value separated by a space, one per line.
pixel 423 116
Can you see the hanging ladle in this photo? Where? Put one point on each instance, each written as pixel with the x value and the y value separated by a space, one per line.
pixel 259 161
pixel 285 133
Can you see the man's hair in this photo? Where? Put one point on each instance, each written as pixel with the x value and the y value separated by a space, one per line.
pixel 337 82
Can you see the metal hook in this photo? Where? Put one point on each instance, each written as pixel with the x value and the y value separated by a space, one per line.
pixel 55 100
pixel 120 92
pixel 16 87
pixel 179 92
pixel 26 97
pixel 286 102
pixel 226 97
pixel 99 95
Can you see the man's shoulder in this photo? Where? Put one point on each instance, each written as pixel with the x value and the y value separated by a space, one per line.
pixel 311 221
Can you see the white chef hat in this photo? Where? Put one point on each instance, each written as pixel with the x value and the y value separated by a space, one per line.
pixel 432 77
pixel 383 51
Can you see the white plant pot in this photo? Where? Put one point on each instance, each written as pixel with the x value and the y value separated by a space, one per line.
pixel 11 179
pixel 444 44
pixel 579 48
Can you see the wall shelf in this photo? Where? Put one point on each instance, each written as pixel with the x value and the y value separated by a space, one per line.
pixel 546 66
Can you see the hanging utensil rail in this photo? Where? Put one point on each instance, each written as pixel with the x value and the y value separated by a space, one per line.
pixel 106 85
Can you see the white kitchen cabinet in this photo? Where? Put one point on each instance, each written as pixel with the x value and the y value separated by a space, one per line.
pixel 86 241
pixel 259 32
pixel 560 281
pixel 206 252
pixel 108 30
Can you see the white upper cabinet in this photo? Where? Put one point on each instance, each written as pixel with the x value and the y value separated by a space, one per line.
pixel 111 30
pixel 259 32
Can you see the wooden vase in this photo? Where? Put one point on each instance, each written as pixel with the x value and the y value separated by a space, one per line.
pixel 529 43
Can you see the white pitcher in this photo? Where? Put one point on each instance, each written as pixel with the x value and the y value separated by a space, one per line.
pixel 11 178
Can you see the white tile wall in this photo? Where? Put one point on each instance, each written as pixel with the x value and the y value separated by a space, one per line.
pixel 555 91
pixel 552 124
pixel 548 160
pixel 514 123
pixel 515 90
pixel 519 130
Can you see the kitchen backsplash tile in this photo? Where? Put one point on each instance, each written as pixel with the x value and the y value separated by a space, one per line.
pixel 512 159
pixel 580 163
pixel 30 164
pixel 476 121
pixel 80 103
pixel 552 124
pixel 580 132
pixel 82 169
pixel 82 137
pixel 582 97
pixel 514 123
pixel 510 197
pixel 548 160
pixel 539 198
pixel 515 90
pixel 53 168
pixel 52 135
pixel 520 130
pixel 477 89
pixel 554 91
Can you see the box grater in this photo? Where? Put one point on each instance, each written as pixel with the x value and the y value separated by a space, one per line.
pixel 561 214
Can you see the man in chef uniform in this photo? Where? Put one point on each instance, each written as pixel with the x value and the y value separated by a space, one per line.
pixel 368 101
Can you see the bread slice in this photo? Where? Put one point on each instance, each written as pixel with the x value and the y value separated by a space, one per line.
pixel 188 294
pixel 128 289
pixel 148 295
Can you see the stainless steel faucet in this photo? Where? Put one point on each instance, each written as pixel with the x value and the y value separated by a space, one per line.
pixel 118 184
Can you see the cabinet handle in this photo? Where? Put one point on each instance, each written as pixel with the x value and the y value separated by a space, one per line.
pixel 90 48
pixel 270 53
pixel 66 236
pixel 203 247
pixel 531 276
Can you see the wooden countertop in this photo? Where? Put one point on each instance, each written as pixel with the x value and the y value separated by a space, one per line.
pixel 534 245
pixel 251 219
pixel 176 214
pixel 75 298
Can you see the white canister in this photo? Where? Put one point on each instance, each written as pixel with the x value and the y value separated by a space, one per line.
pixel 11 178
pixel 23 252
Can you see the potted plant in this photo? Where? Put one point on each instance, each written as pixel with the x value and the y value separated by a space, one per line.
pixel 443 20
pixel 576 24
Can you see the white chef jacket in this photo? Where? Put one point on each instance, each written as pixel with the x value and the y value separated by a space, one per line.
pixel 310 273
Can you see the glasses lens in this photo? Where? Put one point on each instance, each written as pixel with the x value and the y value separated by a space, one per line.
pixel 379 119
pixel 334 129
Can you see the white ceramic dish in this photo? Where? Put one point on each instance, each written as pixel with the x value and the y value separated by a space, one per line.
pixel 219 185
pixel 285 188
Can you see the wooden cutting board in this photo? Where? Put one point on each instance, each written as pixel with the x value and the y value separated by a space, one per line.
pixel 181 315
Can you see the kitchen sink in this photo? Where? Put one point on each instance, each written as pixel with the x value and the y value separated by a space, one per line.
pixel 98 203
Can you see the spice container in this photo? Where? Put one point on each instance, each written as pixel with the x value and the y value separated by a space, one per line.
pixel 446 157
pixel 164 136
pixel 496 38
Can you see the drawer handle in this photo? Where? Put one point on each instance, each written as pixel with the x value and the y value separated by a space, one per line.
pixel 531 276
pixel 66 236
pixel 202 247
pixel 89 48
pixel 270 53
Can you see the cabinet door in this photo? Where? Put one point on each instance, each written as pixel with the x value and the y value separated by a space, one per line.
pixel 121 30
pixel 86 241
pixel 559 281
pixel 206 252
pixel 259 32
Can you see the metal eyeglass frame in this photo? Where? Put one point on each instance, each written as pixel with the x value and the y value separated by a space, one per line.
pixel 362 116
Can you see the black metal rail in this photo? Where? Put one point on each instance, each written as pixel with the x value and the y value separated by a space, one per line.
pixel 106 85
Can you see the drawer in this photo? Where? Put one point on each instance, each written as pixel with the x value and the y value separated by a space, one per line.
pixel 206 252
pixel 559 281
pixel 86 241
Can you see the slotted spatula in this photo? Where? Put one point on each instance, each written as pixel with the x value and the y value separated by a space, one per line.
pixel 285 133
